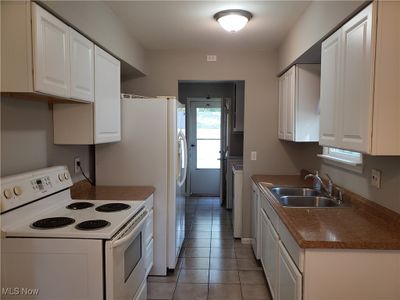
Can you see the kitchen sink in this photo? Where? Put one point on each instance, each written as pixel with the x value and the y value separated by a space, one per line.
pixel 295 191
pixel 307 201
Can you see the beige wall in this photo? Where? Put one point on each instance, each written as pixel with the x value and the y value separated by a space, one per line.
pixel 98 21
pixel 389 193
pixel 258 69
pixel 27 140
pixel 316 22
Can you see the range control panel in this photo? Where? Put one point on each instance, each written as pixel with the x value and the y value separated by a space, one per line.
pixel 17 190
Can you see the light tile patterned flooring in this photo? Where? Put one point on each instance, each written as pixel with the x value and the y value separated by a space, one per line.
pixel 213 265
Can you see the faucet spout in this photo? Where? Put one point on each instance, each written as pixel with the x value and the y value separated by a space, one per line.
pixel 318 183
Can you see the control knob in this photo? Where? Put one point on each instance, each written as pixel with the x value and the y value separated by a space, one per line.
pixel 61 177
pixel 66 176
pixel 7 193
pixel 17 190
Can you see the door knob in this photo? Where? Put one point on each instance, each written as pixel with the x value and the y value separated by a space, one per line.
pixel 192 145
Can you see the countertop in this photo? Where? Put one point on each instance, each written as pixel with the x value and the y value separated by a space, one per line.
pixel 85 191
pixel 237 166
pixel 363 225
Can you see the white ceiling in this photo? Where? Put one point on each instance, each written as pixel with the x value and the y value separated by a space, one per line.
pixel 187 25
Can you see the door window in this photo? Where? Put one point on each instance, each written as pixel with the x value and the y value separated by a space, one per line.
pixel 208 135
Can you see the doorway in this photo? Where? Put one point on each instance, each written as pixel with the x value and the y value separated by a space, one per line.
pixel 205 121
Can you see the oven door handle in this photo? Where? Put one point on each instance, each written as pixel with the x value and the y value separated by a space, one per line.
pixel 131 234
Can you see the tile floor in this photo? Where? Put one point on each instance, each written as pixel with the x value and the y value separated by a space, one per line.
pixel 212 265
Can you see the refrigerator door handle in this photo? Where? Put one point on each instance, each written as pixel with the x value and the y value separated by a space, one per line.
pixel 182 141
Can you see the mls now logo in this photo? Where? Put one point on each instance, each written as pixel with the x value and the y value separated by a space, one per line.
pixel 17 291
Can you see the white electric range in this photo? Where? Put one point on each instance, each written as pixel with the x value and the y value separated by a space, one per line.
pixel 54 247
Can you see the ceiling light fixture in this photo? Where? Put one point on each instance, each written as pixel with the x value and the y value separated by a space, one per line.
pixel 233 20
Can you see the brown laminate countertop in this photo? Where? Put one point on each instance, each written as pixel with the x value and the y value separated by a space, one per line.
pixel 363 225
pixel 85 191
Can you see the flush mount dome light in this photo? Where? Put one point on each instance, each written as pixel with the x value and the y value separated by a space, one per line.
pixel 233 20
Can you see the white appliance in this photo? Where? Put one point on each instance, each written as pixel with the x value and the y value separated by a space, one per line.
pixel 54 247
pixel 152 151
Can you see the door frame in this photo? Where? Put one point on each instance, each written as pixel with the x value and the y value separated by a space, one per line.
pixel 189 102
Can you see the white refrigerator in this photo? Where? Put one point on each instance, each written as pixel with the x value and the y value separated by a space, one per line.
pixel 152 151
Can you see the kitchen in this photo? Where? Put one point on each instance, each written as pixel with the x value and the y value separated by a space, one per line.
pixel 29 124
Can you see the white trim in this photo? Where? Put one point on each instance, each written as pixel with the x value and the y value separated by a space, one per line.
pixel 337 159
pixel 342 161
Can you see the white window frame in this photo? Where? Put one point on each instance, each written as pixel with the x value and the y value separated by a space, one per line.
pixel 349 160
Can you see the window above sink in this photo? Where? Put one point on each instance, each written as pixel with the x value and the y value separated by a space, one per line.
pixel 345 159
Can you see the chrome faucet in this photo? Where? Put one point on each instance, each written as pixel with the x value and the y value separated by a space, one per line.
pixel 318 183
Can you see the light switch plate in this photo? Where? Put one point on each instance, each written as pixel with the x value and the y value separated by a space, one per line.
pixel 376 178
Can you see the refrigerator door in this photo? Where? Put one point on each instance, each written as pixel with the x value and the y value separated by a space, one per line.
pixel 177 178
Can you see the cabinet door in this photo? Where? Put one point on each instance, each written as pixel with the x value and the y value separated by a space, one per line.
pixel 82 67
pixel 107 116
pixel 272 259
pixel 254 220
pixel 330 95
pixel 289 277
pixel 282 109
pixel 238 119
pixel 357 79
pixel 290 101
pixel 264 242
pixel 51 53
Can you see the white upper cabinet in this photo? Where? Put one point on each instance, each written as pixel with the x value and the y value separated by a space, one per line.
pixel 282 109
pixel 356 80
pixel 40 54
pixel 290 104
pixel 330 55
pixel 107 91
pixel 82 67
pixel 360 107
pixel 97 122
pixel 51 53
pixel 298 104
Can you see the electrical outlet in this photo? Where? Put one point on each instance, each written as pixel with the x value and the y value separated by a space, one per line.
pixel 77 161
pixel 211 58
pixel 253 155
pixel 376 178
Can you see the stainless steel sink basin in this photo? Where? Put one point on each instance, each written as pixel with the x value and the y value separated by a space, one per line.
pixel 295 191
pixel 307 201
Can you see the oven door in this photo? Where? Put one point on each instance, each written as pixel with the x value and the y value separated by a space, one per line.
pixel 125 268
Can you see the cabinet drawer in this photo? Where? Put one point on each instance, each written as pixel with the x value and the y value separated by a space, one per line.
pixel 273 217
pixel 290 279
pixel 148 257
pixel 296 253
pixel 148 228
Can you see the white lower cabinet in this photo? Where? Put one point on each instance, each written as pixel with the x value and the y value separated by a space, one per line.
pixel 270 250
pixel 256 240
pixel 295 273
pixel 289 277
pixel 264 241
pixel 283 277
